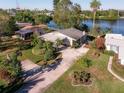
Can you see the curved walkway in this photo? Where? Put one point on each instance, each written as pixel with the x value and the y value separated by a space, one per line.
pixel 110 70
pixel 37 82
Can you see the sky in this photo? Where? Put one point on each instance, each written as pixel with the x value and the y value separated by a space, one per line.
pixel 48 4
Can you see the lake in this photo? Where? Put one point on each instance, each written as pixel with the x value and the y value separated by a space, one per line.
pixel 117 26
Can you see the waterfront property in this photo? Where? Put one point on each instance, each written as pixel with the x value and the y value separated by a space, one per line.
pixel 115 42
pixel 69 36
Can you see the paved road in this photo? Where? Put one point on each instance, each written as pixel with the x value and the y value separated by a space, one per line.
pixel 37 82
pixel 110 70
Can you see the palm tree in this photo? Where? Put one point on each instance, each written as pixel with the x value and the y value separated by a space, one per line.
pixel 95 5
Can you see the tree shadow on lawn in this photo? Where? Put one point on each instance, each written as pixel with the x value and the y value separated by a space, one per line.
pixel 33 75
pixel 29 85
pixel 54 65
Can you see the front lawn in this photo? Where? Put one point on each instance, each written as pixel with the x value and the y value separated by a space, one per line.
pixel 104 82
pixel 27 54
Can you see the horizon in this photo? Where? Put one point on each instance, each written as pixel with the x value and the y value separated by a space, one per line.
pixel 48 4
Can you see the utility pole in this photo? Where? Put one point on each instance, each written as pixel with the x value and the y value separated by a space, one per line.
pixel 17 5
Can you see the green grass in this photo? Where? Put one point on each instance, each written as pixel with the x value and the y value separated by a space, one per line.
pixel 118 69
pixel 27 54
pixel 104 81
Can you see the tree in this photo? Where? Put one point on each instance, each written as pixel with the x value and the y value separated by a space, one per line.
pixel 49 55
pixel 35 40
pixel 10 26
pixel 67 14
pixel 55 2
pixel 113 14
pixel 49 51
pixel 48 45
pixel 38 45
pixel 25 16
pixel 10 68
pixel 42 19
pixel 7 24
pixel 4 17
pixel 95 5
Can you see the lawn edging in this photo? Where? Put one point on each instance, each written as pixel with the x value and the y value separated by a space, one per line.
pixel 109 68
pixel 78 85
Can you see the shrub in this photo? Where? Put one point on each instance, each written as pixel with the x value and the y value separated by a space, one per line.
pixel 48 45
pixel 24 46
pixel 93 44
pixel 49 55
pixel 88 62
pixel 35 40
pixel 40 43
pixel 59 42
pixel 82 77
pixel 76 45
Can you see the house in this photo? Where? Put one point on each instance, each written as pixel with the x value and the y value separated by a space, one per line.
pixel 27 32
pixel 115 42
pixel 22 24
pixel 69 36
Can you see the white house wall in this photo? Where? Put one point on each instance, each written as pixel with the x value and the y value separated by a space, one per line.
pixel 122 62
pixel 55 35
pixel 116 43
pixel 108 47
pixel 69 38
pixel 121 52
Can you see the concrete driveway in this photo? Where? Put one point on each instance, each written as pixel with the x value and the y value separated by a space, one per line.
pixel 36 83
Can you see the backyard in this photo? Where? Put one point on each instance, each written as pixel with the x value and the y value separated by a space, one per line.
pixel 104 82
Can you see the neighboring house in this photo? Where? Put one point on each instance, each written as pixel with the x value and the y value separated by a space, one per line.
pixel 20 24
pixel 69 36
pixel 115 42
pixel 27 32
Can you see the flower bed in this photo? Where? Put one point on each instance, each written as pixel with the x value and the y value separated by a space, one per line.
pixel 81 78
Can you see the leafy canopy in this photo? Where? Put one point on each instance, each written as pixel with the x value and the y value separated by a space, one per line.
pixel 67 14
pixel 95 4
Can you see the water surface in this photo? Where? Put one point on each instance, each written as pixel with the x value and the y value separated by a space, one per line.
pixel 117 26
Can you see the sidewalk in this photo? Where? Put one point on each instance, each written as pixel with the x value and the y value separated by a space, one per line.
pixel 110 70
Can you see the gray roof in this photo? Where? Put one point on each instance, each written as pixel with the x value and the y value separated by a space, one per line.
pixel 73 33
pixel 23 32
pixel 27 31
